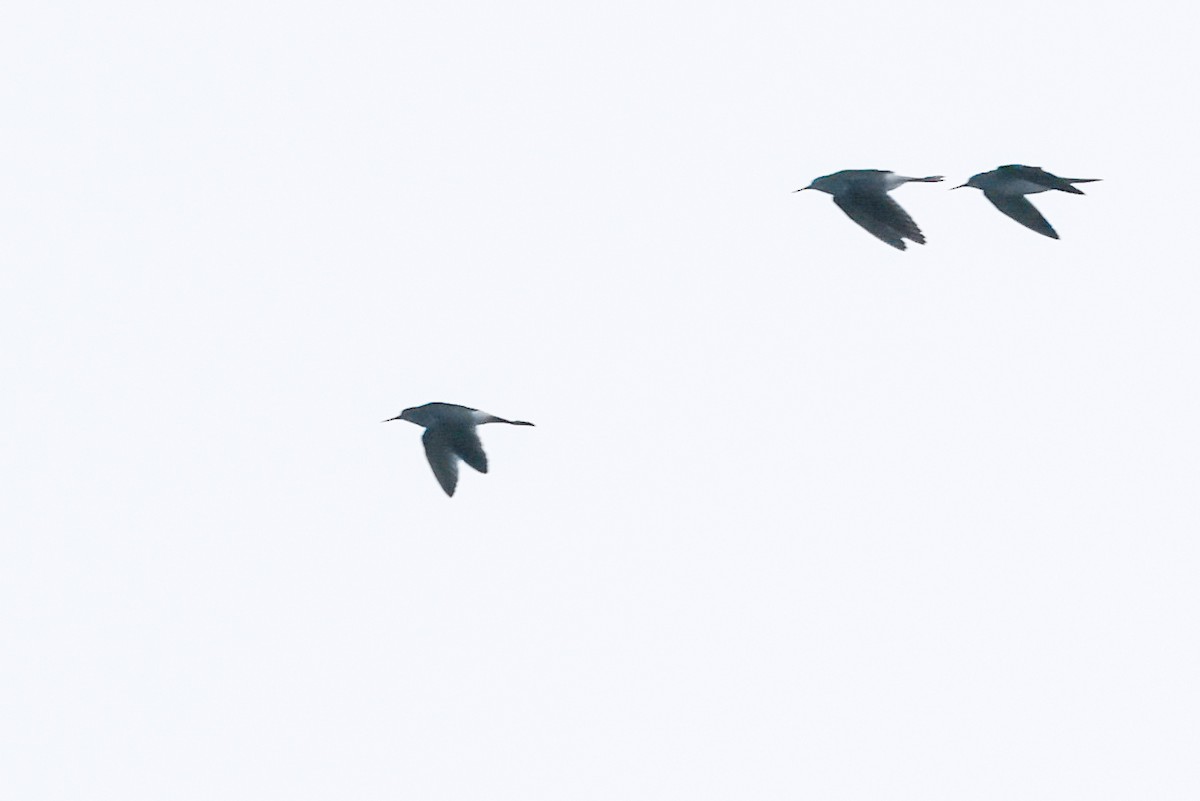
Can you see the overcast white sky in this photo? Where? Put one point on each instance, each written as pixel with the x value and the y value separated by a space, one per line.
pixel 804 517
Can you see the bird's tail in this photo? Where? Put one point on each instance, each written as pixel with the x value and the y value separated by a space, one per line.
pixel 1075 191
pixel 1066 186
pixel 494 419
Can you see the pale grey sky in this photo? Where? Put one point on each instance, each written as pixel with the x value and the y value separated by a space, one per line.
pixel 803 517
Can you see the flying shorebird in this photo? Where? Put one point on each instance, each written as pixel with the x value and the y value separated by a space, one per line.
pixel 863 195
pixel 450 435
pixel 1007 187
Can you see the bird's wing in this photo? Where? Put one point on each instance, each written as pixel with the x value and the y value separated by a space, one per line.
pixel 881 216
pixel 466 445
pixel 1021 210
pixel 441 458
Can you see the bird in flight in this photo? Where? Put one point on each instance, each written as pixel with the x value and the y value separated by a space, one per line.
pixel 450 435
pixel 863 195
pixel 1007 187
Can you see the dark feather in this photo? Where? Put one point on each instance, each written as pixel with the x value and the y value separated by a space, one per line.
pixel 881 216
pixel 440 453
pixel 1021 210
pixel 466 444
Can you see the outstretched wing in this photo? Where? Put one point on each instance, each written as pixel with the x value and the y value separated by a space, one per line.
pixel 445 445
pixel 1021 210
pixel 442 459
pixel 466 445
pixel 881 216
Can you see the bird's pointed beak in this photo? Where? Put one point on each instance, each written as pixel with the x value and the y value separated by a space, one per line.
pixel 390 419
pixel 801 189
pixel 960 186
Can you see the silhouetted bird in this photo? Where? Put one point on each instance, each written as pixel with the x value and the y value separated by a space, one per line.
pixel 1007 187
pixel 863 195
pixel 450 435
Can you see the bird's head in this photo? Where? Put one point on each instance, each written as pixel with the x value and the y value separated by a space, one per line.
pixel 820 184
pixel 409 414
pixel 973 181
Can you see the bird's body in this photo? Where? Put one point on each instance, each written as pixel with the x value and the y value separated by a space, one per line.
pixel 450 435
pixel 863 195
pixel 1007 186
